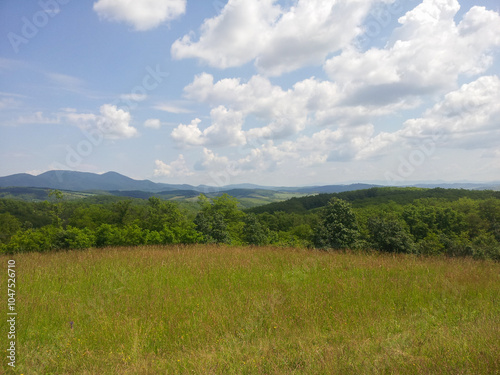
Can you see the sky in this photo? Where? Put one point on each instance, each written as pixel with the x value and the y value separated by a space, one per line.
pixel 282 93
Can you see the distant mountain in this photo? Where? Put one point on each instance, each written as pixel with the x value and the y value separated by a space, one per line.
pixel 112 181
pixel 83 181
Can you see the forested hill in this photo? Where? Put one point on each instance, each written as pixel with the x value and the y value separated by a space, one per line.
pixel 373 196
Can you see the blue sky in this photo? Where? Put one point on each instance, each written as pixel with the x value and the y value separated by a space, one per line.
pixel 270 92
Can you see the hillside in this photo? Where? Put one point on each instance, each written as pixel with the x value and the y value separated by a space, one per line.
pixel 373 196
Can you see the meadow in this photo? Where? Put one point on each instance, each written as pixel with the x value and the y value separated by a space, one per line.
pixel 211 309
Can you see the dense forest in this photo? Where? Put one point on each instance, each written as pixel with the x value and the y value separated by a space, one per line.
pixel 404 220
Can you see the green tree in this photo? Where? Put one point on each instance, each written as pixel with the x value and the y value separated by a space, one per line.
pixel 338 227
pixel 57 207
pixel 389 235
pixel 75 238
pixel 161 213
pixel 120 210
pixel 8 226
pixel 254 233
pixel 220 221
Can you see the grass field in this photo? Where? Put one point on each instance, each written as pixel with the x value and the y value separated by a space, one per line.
pixel 226 310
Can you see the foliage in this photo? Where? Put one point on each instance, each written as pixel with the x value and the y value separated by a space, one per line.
pixel 447 222
pixel 338 228
pixel 389 235
pixel 220 220
pixel 254 233
pixel 9 225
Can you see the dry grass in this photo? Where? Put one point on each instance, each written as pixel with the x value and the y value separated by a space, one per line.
pixel 229 310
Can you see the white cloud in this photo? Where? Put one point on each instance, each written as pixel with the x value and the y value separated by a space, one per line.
pixel 141 14
pixel 152 123
pixel 467 117
pixel 177 168
pixel 267 157
pixel 317 122
pixel 428 54
pixel 213 162
pixel 188 134
pixel 225 130
pixel 38 118
pixel 278 39
pixel 285 113
pixel 112 123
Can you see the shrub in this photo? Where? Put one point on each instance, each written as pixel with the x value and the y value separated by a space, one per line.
pixel 75 238
pixel 390 236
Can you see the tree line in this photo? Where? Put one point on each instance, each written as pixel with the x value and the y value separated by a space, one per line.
pixel 418 221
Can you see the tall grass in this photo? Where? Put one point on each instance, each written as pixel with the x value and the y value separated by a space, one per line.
pixel 227 310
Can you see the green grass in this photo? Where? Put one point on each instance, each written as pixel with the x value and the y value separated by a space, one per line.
pixel 228 310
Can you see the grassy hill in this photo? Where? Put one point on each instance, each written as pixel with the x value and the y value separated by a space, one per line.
pixel 236 310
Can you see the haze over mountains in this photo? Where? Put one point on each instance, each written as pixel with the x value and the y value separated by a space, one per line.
pixel 112 181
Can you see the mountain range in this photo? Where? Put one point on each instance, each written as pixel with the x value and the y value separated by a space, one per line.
pixel 112 181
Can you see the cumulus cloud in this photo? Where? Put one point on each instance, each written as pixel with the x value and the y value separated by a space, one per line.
pixel 467 117
pixel 141 14
pixel 213 162
pixel 278 39
pixel 225 130
pixel 111 122
pixel 286 112
pixel 283 112
pixel 428 54
pixel 320 121
pixel 266 157
pixel 177 168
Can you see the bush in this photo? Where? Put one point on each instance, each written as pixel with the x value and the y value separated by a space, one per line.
pixel 152 238
pixel 109 235
pixel 390 236
pixel 40 240
pixel 457 245
pixel 485 246
pixel 75 238
pixel 431 245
